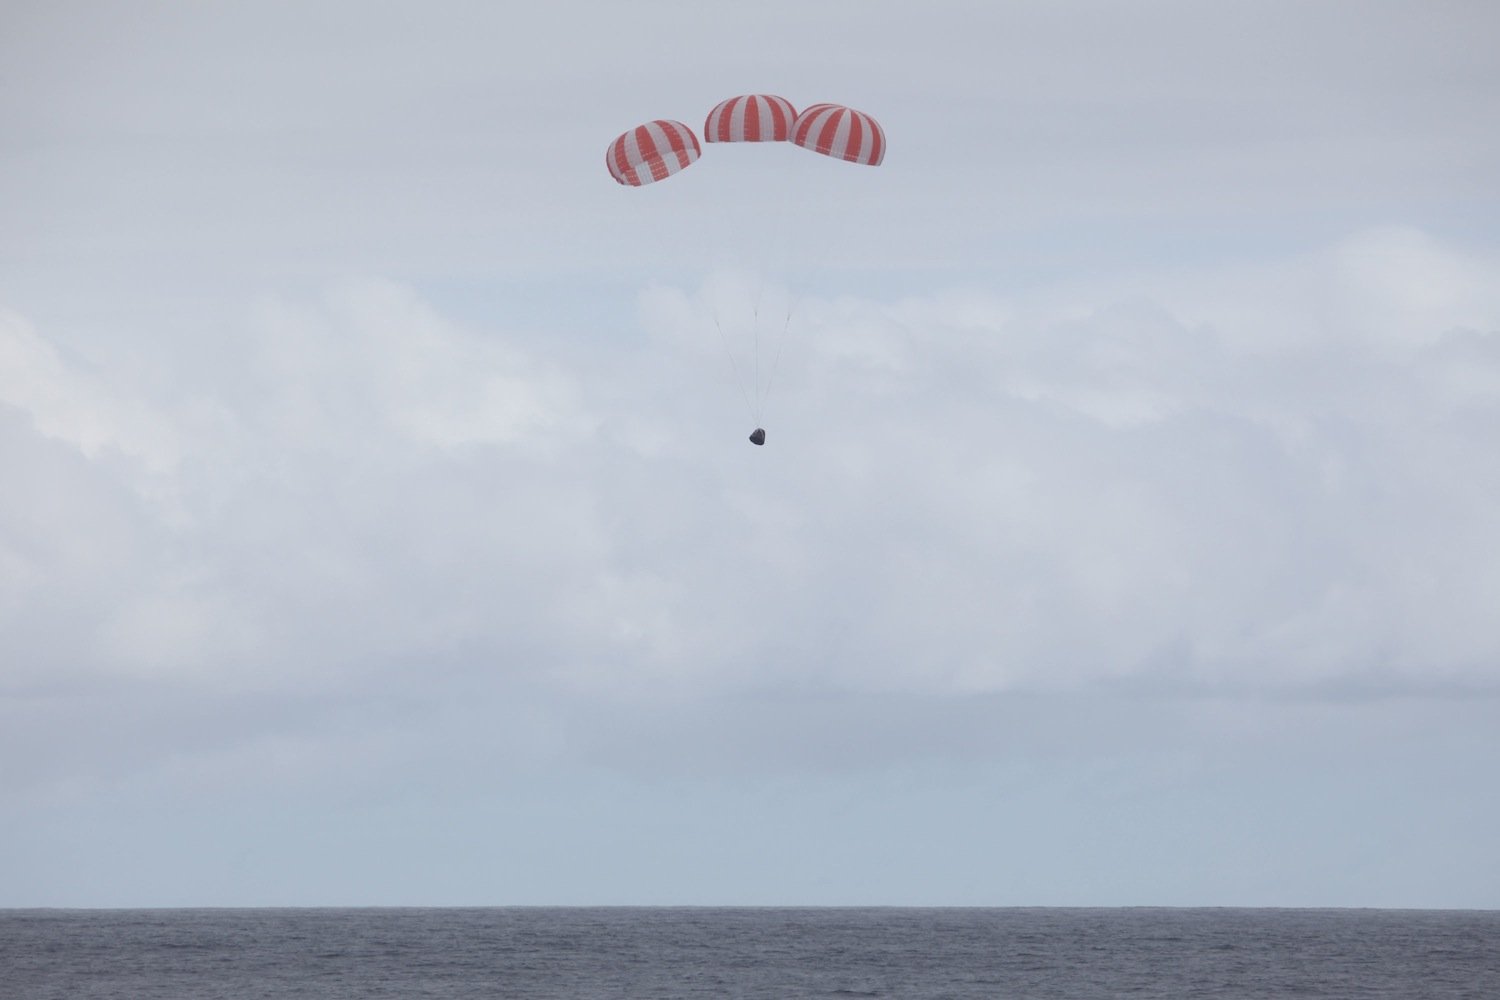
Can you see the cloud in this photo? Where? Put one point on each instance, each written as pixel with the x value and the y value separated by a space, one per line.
pixel 76 403
pixel 373 363
pixel 1086 487
pixel 276 513
pixel 365 506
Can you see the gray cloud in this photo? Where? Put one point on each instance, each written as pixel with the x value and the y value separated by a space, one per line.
pixel 968 493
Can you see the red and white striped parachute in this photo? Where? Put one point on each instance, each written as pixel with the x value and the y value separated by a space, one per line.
pixel 840 132
pixel 750 118
pixel 658 149
pixel 651 152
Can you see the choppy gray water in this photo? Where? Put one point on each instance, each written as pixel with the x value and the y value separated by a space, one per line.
pixel 913 954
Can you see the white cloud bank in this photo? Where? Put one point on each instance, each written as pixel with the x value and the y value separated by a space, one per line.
pixel 1276 479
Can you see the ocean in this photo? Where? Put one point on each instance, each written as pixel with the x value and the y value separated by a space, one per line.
pixel 777 954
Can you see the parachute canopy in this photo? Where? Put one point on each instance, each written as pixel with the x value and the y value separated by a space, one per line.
pixel 652 152
pixel 658 149
pixel 840 132
pixel 750 118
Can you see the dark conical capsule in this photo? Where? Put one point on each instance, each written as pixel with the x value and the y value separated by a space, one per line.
pixel 758 436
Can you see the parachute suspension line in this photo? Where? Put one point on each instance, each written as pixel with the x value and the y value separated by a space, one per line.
pixel 755 322
pixel 781 340
pixel 760 391
pixel 734 366
pixel 771 259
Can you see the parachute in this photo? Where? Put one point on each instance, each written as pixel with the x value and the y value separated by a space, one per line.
pixel 652 152
pixel 659 149
pixel 840 132
pixel 750 118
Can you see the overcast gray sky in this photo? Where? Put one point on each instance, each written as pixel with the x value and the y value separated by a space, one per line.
pixel 377 524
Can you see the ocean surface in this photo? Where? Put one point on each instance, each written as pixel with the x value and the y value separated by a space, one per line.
pixel 916 954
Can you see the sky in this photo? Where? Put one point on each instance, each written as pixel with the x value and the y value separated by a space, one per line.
pixel 378 525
